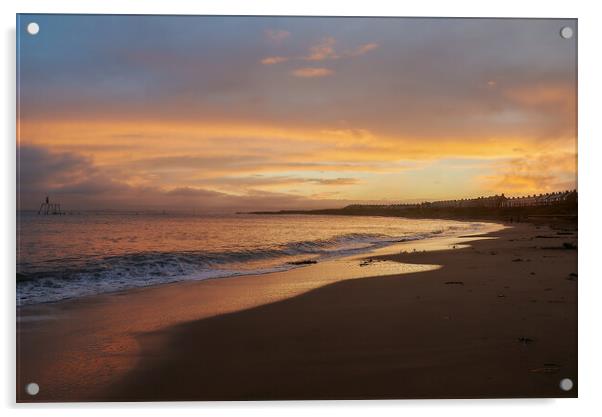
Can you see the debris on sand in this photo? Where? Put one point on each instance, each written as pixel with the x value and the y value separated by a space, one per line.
pixel 517 260
pixel 454 283
pixel 525 340
pixel 366 262
pixel 565 245
pixel 547 368
pixel 304 262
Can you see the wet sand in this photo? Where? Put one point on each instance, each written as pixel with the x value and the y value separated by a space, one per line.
pixel 490 318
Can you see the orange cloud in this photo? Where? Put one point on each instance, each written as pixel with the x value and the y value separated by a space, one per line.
pixel 323 50
pixel 362 49
pixel 535 174
pixel 271 60
pixel 276 36
pixel 122 138
pixel 229 156
pixel 312 72
pixel 543 94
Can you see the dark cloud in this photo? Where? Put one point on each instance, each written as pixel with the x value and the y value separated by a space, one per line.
pixel 261 180
pixel 62 175
pixel 336 181
pixel 75 182
pixel 193 192
pixel 39 169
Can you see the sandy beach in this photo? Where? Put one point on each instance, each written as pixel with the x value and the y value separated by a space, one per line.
pixel 492 315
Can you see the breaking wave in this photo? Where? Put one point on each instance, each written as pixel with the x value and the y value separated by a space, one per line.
pixel 57 279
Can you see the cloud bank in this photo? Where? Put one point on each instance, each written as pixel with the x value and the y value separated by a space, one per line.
pixel 287 112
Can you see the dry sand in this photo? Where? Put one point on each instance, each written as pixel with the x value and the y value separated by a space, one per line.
pixel 492 317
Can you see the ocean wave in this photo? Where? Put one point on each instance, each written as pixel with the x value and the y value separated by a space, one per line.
pixel 61 278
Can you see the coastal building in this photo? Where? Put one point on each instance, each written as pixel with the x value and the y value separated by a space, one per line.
pixel 542 199
pixel 493 202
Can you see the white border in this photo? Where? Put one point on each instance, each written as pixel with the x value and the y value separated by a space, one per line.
pixel 590 201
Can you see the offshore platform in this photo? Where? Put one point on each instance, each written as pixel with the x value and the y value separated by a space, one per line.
pixel 47 208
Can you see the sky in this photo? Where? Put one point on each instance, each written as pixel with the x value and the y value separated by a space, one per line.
pixel 252 113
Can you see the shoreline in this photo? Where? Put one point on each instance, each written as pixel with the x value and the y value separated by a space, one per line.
pixel 91 347
pixel 277 269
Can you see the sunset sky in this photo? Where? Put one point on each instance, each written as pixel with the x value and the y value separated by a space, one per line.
pixel 277 112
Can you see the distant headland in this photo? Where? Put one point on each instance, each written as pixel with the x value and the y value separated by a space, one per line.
pixel 562 204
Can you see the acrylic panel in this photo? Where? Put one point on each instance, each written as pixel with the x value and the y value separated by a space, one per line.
pixel 295 208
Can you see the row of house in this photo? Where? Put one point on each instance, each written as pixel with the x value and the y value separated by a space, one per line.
pixel 492 202
pixel 542 199
pixel 501 201
pixel 495 201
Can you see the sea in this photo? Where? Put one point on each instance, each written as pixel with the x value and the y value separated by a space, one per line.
pixel 77 255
